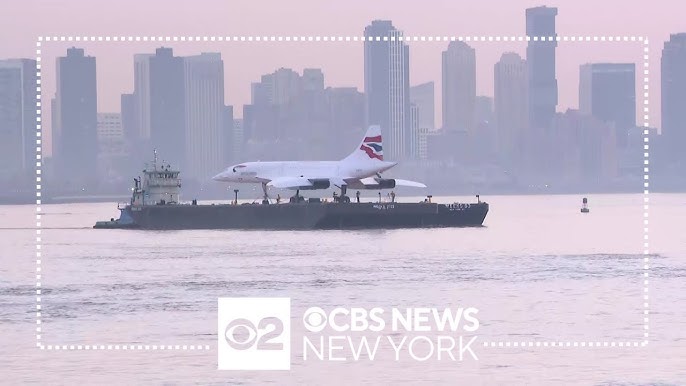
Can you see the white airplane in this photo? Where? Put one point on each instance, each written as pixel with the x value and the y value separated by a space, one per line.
pixel 360 170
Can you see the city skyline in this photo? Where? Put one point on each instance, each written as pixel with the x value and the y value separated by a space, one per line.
pixel 423 65
pixel 179 101
pixel 232 92
pixel 167 81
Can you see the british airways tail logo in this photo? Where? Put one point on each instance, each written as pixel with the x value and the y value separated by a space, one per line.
pixel 372 146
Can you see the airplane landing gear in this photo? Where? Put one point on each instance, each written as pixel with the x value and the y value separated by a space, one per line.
pixel 265 198
pixel 296 199
pixel 344 198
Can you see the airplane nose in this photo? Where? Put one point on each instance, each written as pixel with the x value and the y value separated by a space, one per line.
pixel 218 177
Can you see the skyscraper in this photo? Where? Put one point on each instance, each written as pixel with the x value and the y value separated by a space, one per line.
pixel 77 149
pixel 459 87
pixel 262 92
pixel 238 140
pixel 111 143
pixel 17 117
pixel 510 104
pixel 540 58
pixel 136 113
pixel 423 138
pixel 110 129
pixel 387 86
pixel 312 80
pixel 11 121
pixel 674 95
pixel 128 118
pixel 346 119
pixel 585 150
pixel 114 161
pixel 260 117
pixel 482 148
pixel 231 141
pixel 54 124
pixel 285 85
pixel 422 95
pixel 167 106
pixel 205 133
pixel 413 138
pixel 306 117
pixel 141 96
pixel 269 98
pixel 607 91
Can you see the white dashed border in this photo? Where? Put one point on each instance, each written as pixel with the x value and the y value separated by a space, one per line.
pixel 501 344
pixel 646 190
pixel 39 166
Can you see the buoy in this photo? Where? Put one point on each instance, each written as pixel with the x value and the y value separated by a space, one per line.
pixel 584 205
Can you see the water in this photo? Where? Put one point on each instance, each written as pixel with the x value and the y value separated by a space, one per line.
pixel 538 271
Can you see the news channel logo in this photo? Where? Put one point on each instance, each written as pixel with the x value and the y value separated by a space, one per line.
pixel 254 334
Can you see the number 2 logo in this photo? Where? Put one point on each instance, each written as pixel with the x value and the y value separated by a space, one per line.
pixel 241 334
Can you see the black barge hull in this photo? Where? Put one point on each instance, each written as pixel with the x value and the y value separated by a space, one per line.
pixel 303 216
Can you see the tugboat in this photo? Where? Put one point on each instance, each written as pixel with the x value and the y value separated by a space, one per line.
pixel 155 204
pixel 159 185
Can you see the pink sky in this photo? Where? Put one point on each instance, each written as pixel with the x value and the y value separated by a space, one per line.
pixel 23 21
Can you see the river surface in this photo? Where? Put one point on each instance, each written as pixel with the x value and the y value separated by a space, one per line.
pixel 538 271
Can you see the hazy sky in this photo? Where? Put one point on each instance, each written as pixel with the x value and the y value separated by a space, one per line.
pixel 22 21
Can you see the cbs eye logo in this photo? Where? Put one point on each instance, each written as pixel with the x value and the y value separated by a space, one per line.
pixel 242 334
pixel 314 319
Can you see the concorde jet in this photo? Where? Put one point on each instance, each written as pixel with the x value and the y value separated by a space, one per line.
pixel 360 170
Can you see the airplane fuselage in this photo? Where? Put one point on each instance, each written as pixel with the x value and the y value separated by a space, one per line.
pixel 263 172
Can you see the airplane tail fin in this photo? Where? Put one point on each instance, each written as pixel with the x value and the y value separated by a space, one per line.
pixel 370 148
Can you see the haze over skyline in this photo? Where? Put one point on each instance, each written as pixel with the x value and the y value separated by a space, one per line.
pixel 341 61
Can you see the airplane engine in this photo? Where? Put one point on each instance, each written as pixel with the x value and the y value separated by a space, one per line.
pixel 317 184
pixel 381 183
